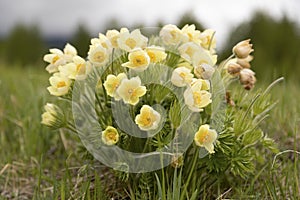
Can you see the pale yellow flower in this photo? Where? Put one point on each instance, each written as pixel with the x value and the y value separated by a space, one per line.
pixel 156 53
pixel 243 49
pixel 192 34
pixel 129 41
pixel 52 116
pixel 208 40
pixel 139 60
pixel 102 40
pixel 205 84
pixel 148 119
pixel 58 57
pixel 55 58
pixel 110 136
pixel 69 52
pixel 189 49
pixel 98 55
pixel 196 98
pixel 60 85
pixel 131 90
pixel 172 35
pixel 112 83
pixel 181 76
pixel 204 57
pixel 78 69
pixel 203 64
pixel 206 137
pixel 113 36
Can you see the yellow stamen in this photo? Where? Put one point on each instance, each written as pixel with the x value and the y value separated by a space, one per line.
pixel 111 136
pixel 197 98
pixel 55 59
pixel 152 56
pixel 202 138
pixel 131 43
pixel 61 84
pixel 189 51
pixel 182 75
pixel 99 57
pixel 139 60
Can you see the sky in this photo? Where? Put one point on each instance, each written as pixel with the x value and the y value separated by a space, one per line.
pixel 61 17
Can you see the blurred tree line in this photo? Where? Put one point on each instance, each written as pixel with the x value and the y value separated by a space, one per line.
pixel 276 43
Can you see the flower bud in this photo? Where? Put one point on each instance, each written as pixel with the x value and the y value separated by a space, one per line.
pixel 229 101
pixel 243 49
pixel 234 69
pixel 247 78
pixel 248 86
pixel 204 71
pixel 53 117
pixel 245 62
pixel 177 161
pixel 110 136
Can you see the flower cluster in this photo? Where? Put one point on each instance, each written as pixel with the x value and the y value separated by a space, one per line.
pixel 140 103
pixel 193 56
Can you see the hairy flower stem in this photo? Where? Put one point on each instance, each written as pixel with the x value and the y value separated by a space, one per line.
pixel 72 128
pixel 99 102
pixel 190 174
pixel 221 66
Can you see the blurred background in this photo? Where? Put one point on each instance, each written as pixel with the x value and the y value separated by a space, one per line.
pixel 29 28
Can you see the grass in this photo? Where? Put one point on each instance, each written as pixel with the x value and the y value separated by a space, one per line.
pixel 37 163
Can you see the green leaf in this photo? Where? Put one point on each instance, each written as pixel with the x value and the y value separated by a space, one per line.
pixel 252 137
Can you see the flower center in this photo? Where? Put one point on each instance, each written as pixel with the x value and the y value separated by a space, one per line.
pixel 111 136
pixel 190 51
pixel 207 40
pixel 61 84
pixel 173 34
pixel 55 59
pixel 182 75
pixel 114 41
pixel 201 62
pixel 104 45
pixel 131 43
pixel 131 92
pixel 99 57
pixel 147 119
pixel 202 138
pixel 115 85
pixel 139 60
pixel 152 56
pixel 190 36
pixel 80 68
pixel 197 98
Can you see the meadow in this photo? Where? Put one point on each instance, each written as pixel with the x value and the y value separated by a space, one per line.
pixel 37 163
